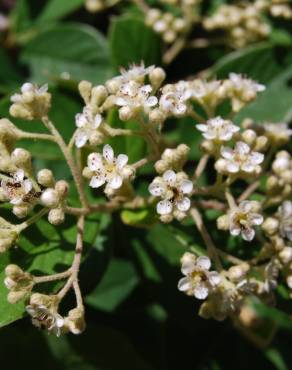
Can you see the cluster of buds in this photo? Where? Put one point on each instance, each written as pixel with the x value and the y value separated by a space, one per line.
pixel 53 196
pixel 43 310
pixel 243 23
pixel 276 8
pixel 165 24
pixel 172 159
pixel 280 181
pixel 18 282
pixel 32 103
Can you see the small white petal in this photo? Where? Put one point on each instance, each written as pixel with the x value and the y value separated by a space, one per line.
pixel 108 153
pixel 256 158
pixel 18 176
pixel 115 182
pixel 80 120
pixel 94 162
pixel 234 230
pixel 81 139
pixel 186 187
pixel 184 204
pixel 201 291
pixel 256 219
pixel 203 262
pixel 202 127
pixel 226 152
pixel 97 121
pixel 169 176
pixel 232 167
pixel 121 102
pixel 97 181
pixel 184 284
pixel 151 101
pixel 188 267
pixel 156 189
pixel 214 278
pixel 27 186
pixel 164 207
pixel 247 167
pixel 242 148
pixel 248 234
pixel 122 160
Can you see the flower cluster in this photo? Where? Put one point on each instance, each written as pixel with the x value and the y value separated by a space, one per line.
pixel 243 24
pixel 225 179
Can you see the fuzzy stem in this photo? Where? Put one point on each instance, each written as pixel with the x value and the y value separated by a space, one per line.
pixel 211 248
pixel 70 160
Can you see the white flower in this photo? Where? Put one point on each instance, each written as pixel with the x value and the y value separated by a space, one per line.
pixel 198 280
pixel 87 124
pixel 174 189
pixel 243 218
pixel 135 72
pixel 278 133
pixel 242 90
pixel 218 129
pixel 18 189
pixel 285 214
pixel 240 159
pixel 108 169
pixel 43 317
pixel 135 97
pixel 174 98
pixel 28 88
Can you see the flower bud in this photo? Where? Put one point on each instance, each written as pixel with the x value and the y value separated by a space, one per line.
pixel 45 178
pixel 125 113
pixel 50 198
pixel 249 137
pixel 22 159
pixel 15 296
pixel 166 218
pixel 56 216
pixel 261 143
pixel 98 95
pixel 286 255
pixel 75 321
pixel 62 188
pixel 13 271
pixel 223 222
pixel 84 88
pixel 42 299
pixel 156 77
pixel 238 272
pixel 289 281
pixel 270 226
pixel 21 211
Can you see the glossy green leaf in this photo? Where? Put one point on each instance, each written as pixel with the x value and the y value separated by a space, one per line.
pixel 82 54
pixel 132 42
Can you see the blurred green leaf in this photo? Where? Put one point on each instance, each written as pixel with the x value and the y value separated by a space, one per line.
pixel 82 54
pixel 116 285
pixel 43 249
pixel 132 42
pixel 144 217
pixel 56 9
pixel 261 62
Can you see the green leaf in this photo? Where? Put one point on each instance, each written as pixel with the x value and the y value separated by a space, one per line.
pixel 43 249
pixel 81 54
pixel 144 217
pixel 56 9
pixel 116 285
pixel 9 76
pixel 8 312
pixel 261 62
pixel 132 42
pixel 274 104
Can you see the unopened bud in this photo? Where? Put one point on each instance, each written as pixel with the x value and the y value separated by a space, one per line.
pixel 62 188
pixel 156 77
pixel 56 216
pixel 50 198
pixel 286 255
pixel 45 178
pixel 270 225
